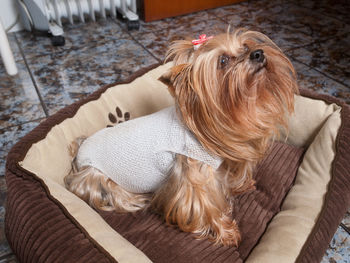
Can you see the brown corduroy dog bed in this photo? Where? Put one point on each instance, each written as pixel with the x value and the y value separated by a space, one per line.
pixel 303 189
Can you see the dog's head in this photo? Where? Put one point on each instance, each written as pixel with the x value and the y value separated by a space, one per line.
pixel 233 92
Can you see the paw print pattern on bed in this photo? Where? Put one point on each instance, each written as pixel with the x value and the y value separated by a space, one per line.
pixel 118 117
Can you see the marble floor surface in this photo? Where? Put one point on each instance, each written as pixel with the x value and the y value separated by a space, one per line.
pixel 314 34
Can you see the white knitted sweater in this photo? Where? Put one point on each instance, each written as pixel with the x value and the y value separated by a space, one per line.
pixel 139 153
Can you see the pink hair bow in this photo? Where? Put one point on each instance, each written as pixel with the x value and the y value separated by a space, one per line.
pixel 202 38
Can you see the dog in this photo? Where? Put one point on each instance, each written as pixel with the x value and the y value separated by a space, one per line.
pixel 233 93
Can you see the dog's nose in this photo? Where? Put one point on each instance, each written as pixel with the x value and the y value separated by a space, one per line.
pixel 257 55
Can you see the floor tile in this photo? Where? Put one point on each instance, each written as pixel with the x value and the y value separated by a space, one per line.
pixel 79 36
pixel 288 25
pixel 311 79
pixel 195 24
pixel 346 220
pixel 5 250
pixel 4 247
pixel 242 16
pixel 65 77
pixel 332 57
pixel 158 42
pixel 9 259
pixel 304 20
pixel 339 248
pixel 146 27
pixel 9 136
pixel 19 101
pixel 285 37
pixel 3 190
pixel 238 9
pixel 338 9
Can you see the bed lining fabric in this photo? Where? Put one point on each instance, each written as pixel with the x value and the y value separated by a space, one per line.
pixel 16 175
pixel 252 211
pixel 301 208
pixel 18 181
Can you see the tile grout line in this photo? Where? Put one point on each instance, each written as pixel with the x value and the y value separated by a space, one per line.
pixel 321 72
pixel 132 37
pixel 314 11
pixel 316 41
pixel 146 49
pixel 43 105
pixel 346 229
pixel 310 67
pixel 155 32
pixel 218 17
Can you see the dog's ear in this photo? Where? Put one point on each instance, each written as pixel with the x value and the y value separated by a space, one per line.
pixel 169 77
pixel 166 78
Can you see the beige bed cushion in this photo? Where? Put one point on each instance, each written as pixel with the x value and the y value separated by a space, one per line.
pixel 49 159
pixel 290 228
pixel 314 124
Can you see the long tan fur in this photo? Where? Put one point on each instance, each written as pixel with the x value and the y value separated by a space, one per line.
pixel 234 111
pixel 235 107
pixel 195 198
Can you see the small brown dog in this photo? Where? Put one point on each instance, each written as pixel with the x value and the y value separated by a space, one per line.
pixel 232 96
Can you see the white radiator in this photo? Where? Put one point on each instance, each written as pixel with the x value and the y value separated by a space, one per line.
pixel 47 15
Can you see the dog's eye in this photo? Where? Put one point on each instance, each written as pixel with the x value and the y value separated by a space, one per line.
pixel 223 60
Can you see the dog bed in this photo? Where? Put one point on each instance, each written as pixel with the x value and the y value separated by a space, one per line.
pixel 302 193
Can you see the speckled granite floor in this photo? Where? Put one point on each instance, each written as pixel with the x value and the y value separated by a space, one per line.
pixel 314 34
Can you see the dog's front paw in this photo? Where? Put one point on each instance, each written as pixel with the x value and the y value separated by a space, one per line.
pixel 118 117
